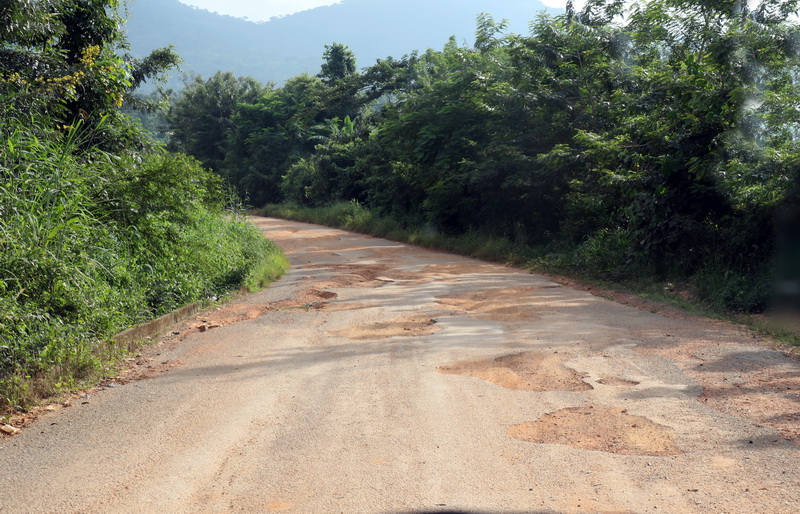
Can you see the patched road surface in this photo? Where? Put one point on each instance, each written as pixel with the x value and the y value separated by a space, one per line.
pixel 380 377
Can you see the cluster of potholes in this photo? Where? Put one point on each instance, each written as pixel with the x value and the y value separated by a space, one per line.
pixel 306 299
pixel 317 297
pixel 592 427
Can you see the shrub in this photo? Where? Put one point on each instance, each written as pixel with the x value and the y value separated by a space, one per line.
pixel 91 243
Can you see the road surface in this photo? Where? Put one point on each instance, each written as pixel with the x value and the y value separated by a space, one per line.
pixel 379 377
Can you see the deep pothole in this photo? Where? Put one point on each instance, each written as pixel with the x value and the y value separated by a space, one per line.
pixel 616 381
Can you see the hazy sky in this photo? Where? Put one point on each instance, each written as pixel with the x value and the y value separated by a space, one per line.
pixel 262 10
pixel 257 10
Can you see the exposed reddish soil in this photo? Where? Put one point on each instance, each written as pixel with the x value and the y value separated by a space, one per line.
pixel 530 371
pixel 410 326
pixel 748 384
pixel 497 304
pixel 310 298
pixel 601 428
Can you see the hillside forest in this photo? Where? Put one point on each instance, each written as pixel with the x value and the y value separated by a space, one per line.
pixel 651 141
pixel 290 45
pixel 100 227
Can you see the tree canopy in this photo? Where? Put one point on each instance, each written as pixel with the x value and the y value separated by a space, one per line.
pixel 654 140
pixel 72 52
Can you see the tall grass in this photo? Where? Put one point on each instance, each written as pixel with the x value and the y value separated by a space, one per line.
pixel 93 242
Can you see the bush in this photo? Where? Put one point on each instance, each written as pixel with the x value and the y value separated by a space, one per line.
pixel 606 253
pixel 91 243
pixel 734 290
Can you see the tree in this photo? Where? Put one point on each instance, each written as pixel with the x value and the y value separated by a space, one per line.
pixel 272 133
pixel 201 116
pixel 27 33
pixel 68 53
pixel 340 63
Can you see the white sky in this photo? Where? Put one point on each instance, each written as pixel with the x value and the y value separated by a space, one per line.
pixel 257 10
pixel 263 10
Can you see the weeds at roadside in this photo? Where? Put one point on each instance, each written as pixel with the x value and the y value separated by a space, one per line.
pixel 92 243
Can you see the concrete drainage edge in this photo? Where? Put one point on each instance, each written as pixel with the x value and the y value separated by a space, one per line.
pixel 154 327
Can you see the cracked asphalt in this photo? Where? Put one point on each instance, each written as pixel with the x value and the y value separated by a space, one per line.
pixel 380 377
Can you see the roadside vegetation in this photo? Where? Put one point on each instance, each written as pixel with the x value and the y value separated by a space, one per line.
pixel 100 227
pixel 655 142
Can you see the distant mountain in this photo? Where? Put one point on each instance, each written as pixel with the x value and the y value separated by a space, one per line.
pixel 284 47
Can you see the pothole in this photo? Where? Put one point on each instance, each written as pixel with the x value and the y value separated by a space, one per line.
pixel 495 304
pixel 601 428
pixel 236 313
pixel 349 275
pixel 410 326
pixel 307 298
pixel 530 371
pixel 616 381
pixel 344 306
pixel 512 313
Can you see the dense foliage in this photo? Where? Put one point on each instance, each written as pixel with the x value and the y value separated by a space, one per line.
pixel 99 227
pixel 656 140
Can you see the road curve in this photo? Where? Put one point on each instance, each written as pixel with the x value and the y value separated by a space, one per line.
pixel 379 377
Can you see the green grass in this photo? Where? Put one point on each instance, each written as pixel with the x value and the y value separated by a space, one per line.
pixel 93 243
